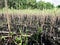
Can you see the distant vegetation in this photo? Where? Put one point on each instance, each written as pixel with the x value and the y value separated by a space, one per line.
pixel 28 7
pixel 28 4
pixel 58 6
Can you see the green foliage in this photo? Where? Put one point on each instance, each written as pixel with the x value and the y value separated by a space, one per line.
pixel 39 30
pixel 29 4
pixel 58 6
pixel 11 33
pixel 49 5
pixel 21 4
pixel 19 40
pixel 42 5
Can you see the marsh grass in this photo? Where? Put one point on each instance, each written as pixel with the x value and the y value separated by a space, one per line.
pixel 32 11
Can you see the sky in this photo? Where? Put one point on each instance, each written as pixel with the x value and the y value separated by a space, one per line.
pixel 55 2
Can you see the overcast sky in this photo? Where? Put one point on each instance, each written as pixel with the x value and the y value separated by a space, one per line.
pixel 55 2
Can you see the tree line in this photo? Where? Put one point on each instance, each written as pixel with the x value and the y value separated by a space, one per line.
pixel 28 4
